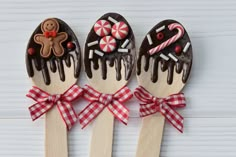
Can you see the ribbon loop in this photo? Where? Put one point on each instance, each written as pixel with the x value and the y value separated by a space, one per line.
pixel 151 105
pixel 45 101
pixel 100 101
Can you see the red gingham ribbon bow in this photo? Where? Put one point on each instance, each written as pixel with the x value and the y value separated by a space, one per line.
pixel 165 106
pixel 45 102
pixel 99 101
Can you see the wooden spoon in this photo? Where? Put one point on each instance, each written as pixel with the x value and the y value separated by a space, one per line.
pixel 108 68
pixel 162 74
pixel 53 69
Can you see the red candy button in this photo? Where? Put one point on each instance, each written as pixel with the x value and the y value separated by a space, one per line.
pixel 178 49
pixel 70 45
pixel 120 30
pixel 31 51
pixel 160 36
pixel 107 44
pixel 102 28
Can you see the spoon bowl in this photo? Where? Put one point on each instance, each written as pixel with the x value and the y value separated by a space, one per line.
pixel 163 67
pixel 109 60
pixel 54 73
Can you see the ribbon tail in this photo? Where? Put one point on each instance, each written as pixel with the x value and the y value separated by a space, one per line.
pixel 38 109
pixel 173 117
pixel 89 113
pixel 119 111
pixel 67 113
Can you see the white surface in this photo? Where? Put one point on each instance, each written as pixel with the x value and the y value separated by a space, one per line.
pixel 210 117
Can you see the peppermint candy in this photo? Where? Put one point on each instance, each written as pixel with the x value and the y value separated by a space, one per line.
pixel 120 30
pixel 107 44
pixel 102 28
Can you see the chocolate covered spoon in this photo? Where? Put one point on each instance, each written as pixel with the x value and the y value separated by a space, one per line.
pixel 109 59
pixel 163 67
pixel 53 64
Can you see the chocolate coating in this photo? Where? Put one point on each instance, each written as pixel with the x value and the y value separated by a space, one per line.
pixel 54 63
pixel 112 58
pixel 184 62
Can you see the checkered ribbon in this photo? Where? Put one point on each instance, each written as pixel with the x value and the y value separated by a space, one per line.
pixel 45 102
pixel 165 106
pixel 100 101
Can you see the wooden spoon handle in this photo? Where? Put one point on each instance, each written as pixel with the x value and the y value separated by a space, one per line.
pixel 102 135
pixel 55 135
pixel 149 143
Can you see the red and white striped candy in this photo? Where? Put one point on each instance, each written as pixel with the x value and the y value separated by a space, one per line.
pixel 120 30
pixel 171 40
pixel 102 28
pixel 107 44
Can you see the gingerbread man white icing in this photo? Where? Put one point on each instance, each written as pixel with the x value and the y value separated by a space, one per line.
pixel 50 40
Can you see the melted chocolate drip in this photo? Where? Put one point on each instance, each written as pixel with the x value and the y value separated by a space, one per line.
pixel 53 63
pixel 113 58
pixel 184 59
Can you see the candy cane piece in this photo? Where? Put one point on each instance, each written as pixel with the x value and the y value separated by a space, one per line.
pixel 171 40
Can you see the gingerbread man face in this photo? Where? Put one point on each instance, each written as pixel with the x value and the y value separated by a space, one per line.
pixel 51 40
pixel 50 25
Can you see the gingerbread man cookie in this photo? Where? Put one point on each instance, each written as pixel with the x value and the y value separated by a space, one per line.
pixel 48 58
pixel 50 40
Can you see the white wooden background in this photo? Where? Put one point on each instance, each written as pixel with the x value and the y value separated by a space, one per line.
pixel 210 117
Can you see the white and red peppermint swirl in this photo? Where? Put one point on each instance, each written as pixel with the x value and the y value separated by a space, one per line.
pixel 171 40
pixel 120 30
pixel 107 44
pixel 102 28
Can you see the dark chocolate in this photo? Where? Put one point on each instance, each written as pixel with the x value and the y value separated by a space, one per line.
pixel 112 58
pixel 54 63
pixel 184 62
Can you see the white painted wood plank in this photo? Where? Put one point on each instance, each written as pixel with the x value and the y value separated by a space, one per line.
pixel 203 137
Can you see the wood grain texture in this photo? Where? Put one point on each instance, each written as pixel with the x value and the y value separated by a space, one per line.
pixel 56 144
pixel 150 136
pixel 102 135
pixel 210 113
